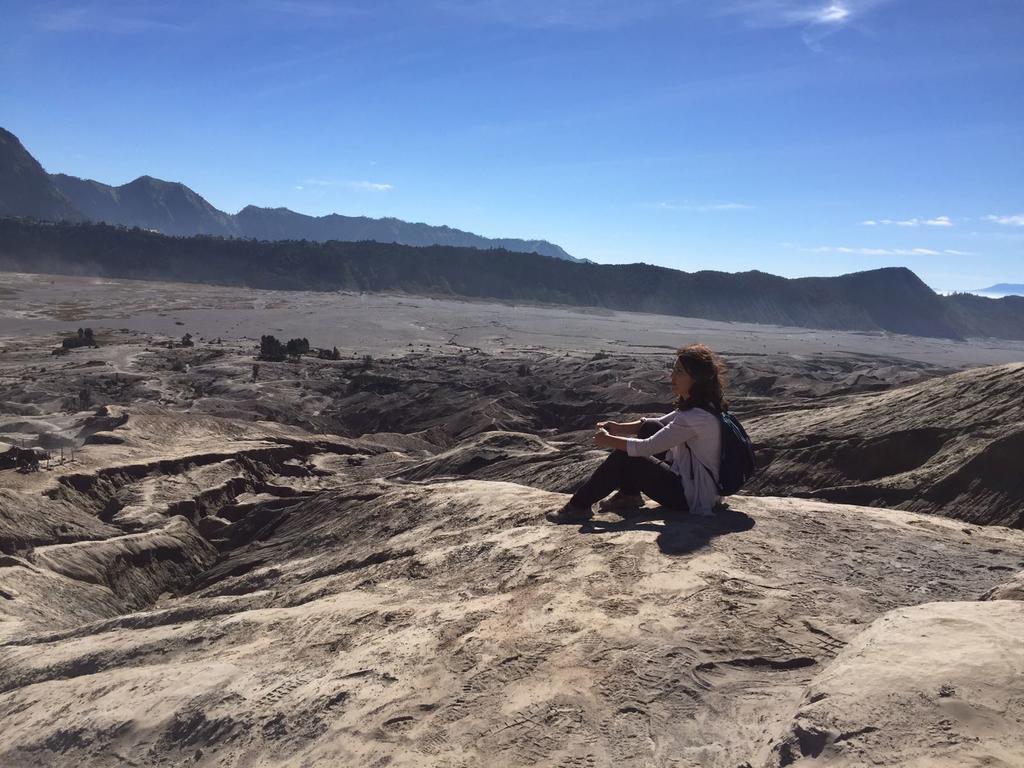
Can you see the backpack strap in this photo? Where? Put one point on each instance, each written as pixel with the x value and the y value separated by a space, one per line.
pixel 717 413
pixel 711 474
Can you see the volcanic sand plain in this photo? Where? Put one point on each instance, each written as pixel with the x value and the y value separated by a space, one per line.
pixel 387 324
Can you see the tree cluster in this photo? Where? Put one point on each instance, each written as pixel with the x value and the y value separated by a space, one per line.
pixel 297 347
pixel 85 338
pixel 273 350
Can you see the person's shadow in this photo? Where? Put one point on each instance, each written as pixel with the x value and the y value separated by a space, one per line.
pixel 678 532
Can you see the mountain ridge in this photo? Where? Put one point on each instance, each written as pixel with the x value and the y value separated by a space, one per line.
pixel 173 208
pixel 1016 289
pixel 26 188
pixel 892 300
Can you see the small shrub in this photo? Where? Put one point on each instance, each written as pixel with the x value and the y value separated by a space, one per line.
pixel 329 354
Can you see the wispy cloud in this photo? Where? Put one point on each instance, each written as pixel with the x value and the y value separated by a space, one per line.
pixel 370 186
pixel 817 19
pixel 374 186
pixel 937 221
pixel 1012 220
pixel 886 251
pixel 701 207
pixel 115 18
pixel 785 13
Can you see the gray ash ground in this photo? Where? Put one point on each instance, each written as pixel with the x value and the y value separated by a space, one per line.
pixel 347 563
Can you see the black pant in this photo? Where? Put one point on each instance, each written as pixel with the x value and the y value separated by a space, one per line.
pixel 634 474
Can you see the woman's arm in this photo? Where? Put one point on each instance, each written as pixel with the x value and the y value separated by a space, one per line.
pixel 630 428
pixel 602 439
pixel 672 434
pixel 622 429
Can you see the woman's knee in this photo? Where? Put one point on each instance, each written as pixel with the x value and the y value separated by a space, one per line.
pixel 618 456
pixel 618 462
pixel 648 428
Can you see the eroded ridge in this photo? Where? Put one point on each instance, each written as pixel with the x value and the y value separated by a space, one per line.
pixel 440 621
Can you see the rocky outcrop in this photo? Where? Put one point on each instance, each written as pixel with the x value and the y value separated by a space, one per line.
pixel 136 568
pixel 1010 590
pixel 936 684
pixel 947 446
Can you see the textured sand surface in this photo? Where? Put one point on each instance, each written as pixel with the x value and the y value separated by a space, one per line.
pixel 443 624
pixel 937 684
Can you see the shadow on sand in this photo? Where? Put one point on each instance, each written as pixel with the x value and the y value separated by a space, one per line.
pixel 678 533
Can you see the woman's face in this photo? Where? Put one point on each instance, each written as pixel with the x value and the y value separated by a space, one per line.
pixel 681 381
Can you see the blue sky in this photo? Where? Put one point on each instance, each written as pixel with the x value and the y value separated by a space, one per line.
pixel 799 138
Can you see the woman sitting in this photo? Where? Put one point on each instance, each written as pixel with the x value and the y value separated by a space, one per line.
pixel 673 459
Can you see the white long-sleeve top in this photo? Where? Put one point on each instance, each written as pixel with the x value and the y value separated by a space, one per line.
pixel 700 432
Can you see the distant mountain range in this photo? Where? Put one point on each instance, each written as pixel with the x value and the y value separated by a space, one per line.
pixel 893 300
pixel 1006 289
pixel 48 225
pixel 26 190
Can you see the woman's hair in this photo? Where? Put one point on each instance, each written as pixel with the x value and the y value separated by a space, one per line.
pixel 708 373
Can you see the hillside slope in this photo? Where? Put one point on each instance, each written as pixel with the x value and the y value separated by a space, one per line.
pixel 148 203
pixel 949 446
pixel 893 299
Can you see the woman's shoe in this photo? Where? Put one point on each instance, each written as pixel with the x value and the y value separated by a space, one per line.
pixel 621 501
pixel 569 514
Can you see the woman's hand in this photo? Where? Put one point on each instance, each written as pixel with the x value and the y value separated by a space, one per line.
pixel 611 427
pixel 604 439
